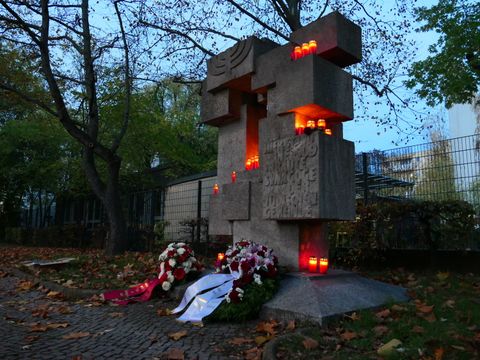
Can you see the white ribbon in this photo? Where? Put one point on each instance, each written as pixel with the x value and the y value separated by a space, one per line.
pixel 204 304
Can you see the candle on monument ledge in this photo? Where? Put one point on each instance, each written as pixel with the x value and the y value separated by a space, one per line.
pixel 321 124
pixel 312 46
pixel 312 264
pixel 234 176
pixel 220 256
pixel 297 52
pixel 328 131
pixel 323 265
pixel 311 124
pixel 248 164
pixel 216 189
pixel 305 49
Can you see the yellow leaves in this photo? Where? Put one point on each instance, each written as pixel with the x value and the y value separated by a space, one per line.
pixel 260 340
pixel 310 343
pixel 25 285
pixel 178 335
pixel 116 314
pixel 442 276
pixel 76 335
pixel 388 348
pixel 163 312
pixel 397 308
pixel 54 294
pixel 267 327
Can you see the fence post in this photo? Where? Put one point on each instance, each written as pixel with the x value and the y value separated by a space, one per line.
pixel 199 210
pixel 365 178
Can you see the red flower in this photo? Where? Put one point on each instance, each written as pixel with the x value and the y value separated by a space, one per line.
pixel 234 296
pixel 243 243
pixel 179 274
pixel 245 266
pixel 261 253
pixel 234 266
pixel 171 253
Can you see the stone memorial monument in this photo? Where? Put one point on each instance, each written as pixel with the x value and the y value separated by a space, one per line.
pixel 284 168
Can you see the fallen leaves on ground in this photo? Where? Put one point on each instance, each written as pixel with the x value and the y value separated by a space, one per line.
pixel 163 312
pixel 309 343
pixel 383 314
pixel 239 341
pixel 38 327
pixel 178 335
pixel 55 295
pixel 389 347
pixel 291 325
pixel 267 327
pixel 260 340
pixel 442 276
pixel 380 330
pixel 253 354
pixel 174 354
pixel 25 285
pixel 348 335
pixel 116 314
pixel 75 335
pixel 439 353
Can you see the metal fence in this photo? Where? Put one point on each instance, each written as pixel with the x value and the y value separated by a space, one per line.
pixel 441 170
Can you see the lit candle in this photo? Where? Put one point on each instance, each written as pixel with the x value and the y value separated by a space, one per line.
pixel 305 49
pixel 216 189
pixel 256 162
pixel 298 52
pixel 248 164
pixel 301 130
pixel 312 264
pixel 321 124
pixel 312 46
pixel 234 176
pixel 311 124
pixel 323 265
pixel 220 256
pixel 328 131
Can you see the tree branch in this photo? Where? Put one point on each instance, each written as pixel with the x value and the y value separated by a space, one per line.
pixel 256 19
pixel 29 99
pixel 128 83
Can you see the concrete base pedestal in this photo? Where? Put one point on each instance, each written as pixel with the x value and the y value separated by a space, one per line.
pixel 315 297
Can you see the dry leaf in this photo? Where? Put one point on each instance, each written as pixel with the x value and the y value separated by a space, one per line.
pixel 174 354
pixel 291 325
pixel 253 354
pixel 418 329
pixel 380 330
pixel 178 335
pixel 24 285
pixel 353 317
pixel 439 353
pixel 388 348
pixel 397 308
pixel 442 276
pixel 425 309
pixel 75 335
pixel 54 294
pixel 116 314
pixel 383 314
pixel 43 313
pixel 310 343
pixel 38 327
pixel 260 340
pixel 456 347
pixel 348 335
pixel 57 325
pixel 430 317
pixel 64 310
pixel 163 312
pixel 267 327
pixel 449 303
pixel 239 341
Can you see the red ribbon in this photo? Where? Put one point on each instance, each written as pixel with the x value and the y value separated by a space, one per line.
pixel 139 293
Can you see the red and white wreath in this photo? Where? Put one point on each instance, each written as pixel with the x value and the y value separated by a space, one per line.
pixel 176 261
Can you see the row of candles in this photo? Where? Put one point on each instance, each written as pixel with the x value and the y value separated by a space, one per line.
pixel 319 124
pixel 314 265
pixel 306 49
pixel 252 163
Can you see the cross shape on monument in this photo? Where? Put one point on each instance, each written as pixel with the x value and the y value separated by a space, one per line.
pixel 284 169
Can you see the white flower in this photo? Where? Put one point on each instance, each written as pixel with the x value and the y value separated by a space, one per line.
pixel 172 262
pixel 166 285
pixel 193 260
pixel 257 279
pixel 187 264
pixel 180 251
pixel 170 277
pixel 227 298
pixel 240 291
pixel 181 244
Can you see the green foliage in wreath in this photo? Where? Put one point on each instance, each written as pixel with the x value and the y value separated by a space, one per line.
pixel 254 297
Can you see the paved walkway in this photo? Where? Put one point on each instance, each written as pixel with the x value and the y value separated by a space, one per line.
pixel 135 331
